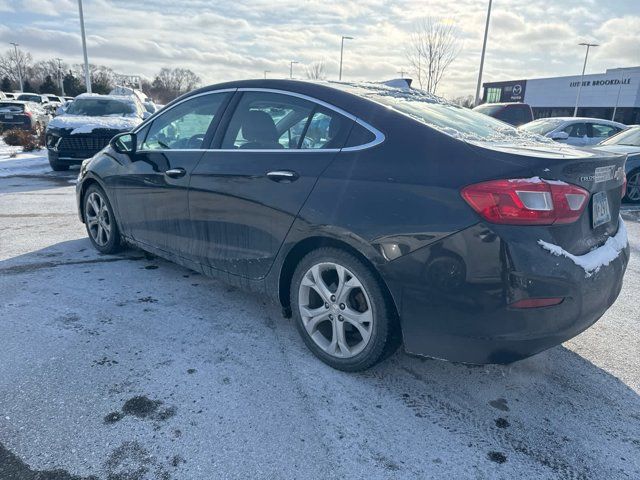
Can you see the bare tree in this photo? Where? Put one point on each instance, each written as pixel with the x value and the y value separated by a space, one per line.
pixel 169 83
pixel 11 64
pixel 433 46
pixel 316 71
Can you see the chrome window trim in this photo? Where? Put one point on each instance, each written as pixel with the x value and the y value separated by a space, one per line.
pixel 379 136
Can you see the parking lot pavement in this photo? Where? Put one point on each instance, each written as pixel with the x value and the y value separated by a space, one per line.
pixel 128 367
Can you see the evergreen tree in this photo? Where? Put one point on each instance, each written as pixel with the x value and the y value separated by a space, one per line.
pixel 72 85
pixel 6 86
pixel 27 87
pixel 48 86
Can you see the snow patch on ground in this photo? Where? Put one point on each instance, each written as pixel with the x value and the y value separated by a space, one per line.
pixel 13 162
pixel 84 124
pixel 596 259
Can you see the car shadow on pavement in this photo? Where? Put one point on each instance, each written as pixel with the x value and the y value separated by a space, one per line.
pixel 130 323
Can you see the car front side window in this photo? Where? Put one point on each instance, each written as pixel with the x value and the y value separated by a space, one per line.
pixel 185 125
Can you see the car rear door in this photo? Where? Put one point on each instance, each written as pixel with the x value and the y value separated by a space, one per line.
pixel 151 188
pixel 246 192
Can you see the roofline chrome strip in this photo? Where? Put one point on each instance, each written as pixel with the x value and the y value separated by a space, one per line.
pixel 379 136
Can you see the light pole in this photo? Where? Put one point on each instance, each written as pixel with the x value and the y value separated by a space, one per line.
pixel 484 49
pixel 341 54
pixel 265 73
pixel 15 48
pixel 87 77
pixel 402 72
pixel 586 55
pixel 61 84
pixel 291 68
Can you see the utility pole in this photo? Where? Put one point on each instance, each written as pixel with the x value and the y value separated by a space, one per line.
pixel 60 82
pixel 87 77
pixel 484 49
pixel 15 48
pixel 402 72
pixel 265 73
pixel 291 68
pixel 341 54
pixel 615 108
pixel 584 67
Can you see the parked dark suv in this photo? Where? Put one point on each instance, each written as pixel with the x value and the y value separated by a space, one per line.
pixel 22 115
pixel 87 125
pixel 370 214
pixel 515 114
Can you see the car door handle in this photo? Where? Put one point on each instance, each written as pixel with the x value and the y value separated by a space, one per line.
pixel 175 172
pixel 282 176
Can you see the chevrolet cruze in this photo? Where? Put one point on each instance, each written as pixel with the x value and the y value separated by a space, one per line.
pixel 375 216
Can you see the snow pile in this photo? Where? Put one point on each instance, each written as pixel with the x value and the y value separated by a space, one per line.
pixel 596 259
pixel 13 163
pixel 84 124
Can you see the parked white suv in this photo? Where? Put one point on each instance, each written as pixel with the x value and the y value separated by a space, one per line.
pixel 577 131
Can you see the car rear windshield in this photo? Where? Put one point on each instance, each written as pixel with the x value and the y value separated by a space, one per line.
pixel 488 109
pixel 627 137
pixel 30 98
pixel 542 126
pixel 454 120
pixel 98 107
pixel 8 107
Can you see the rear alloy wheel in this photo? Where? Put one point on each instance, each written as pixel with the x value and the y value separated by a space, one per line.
pixel 100 221
pixel 633 187
pixel 341 311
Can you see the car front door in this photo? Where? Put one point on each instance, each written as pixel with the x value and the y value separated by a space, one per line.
pixel 152 189
pixel 246 192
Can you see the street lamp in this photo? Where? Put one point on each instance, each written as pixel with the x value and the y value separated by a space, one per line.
pixel 484 49
pixel 15 47
pixel 60 82
pixel 265 73
pixel 87 77
pixel 341 54
pixel 586 55
pixel 291 68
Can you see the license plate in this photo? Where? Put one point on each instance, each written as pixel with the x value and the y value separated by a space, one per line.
pixel 601 212
pixel 8 116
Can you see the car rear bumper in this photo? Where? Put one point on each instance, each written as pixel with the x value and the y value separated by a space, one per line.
pixel 21 125
pixel 454 297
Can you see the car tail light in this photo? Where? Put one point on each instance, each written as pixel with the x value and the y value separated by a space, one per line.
pixel 537 302
pixel 526 201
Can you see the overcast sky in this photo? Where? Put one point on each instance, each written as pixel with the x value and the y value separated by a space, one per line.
pixel 231 39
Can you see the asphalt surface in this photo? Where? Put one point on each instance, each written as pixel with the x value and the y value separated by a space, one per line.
pixel 131 368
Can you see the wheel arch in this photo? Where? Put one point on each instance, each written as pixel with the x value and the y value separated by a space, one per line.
pixel 302 248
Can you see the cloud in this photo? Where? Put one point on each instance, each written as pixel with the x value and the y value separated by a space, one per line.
pixel 230 39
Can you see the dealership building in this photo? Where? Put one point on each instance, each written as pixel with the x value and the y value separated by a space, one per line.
pixel 614 94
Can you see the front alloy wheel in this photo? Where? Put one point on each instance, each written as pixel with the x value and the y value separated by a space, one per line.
pixel 100 221
pixel 341 310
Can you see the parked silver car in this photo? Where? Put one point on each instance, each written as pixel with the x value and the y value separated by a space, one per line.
pixel 578 131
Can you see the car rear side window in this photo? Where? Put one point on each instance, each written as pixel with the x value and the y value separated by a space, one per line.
pixel 185 125
pixel 275 121
pixel 359 136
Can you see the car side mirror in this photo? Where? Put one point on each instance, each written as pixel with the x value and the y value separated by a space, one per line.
pixel 125 143
pixel 559 136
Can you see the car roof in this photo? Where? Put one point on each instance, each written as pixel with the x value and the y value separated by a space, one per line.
pixel 120 98
pixel 583 119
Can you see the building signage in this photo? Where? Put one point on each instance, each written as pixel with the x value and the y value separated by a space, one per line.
pixel 602 83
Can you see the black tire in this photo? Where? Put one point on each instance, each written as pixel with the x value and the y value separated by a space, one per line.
pixel 631 175
pixel 114 240
pixel 384 327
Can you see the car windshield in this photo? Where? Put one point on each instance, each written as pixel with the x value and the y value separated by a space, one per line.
pixel 11 107
pixel 542 126
pixel 631 137
pixel 99 107
pixel 30 98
